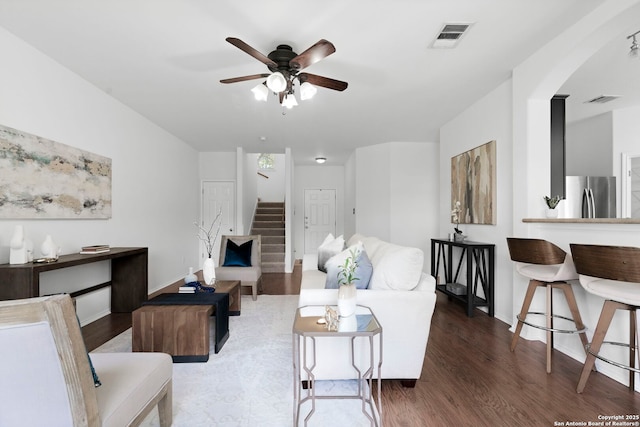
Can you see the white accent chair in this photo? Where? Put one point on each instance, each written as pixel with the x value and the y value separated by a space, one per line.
pixel 248 276
pixel 613 273
pixel 47 379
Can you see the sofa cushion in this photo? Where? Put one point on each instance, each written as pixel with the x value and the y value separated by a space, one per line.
pixel 363 272
pixel 238 255
pixel 330 246
pixel 395 267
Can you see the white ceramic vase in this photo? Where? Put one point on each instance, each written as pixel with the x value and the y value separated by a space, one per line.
pixel 552 213
pixel 18 248
pixel 347 300
pixel 49 248
pixel 190 277
pixel 209 271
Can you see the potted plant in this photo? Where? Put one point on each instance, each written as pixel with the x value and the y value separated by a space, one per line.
pixel 552 203
pixel 455 217
pixel 346 279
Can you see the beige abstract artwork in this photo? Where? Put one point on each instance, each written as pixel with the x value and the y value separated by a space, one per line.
pixel 473 184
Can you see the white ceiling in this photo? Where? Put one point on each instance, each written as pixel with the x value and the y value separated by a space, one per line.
pixel 164 59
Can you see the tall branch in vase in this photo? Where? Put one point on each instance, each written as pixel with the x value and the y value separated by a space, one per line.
pixel 209 239
pixel 206 236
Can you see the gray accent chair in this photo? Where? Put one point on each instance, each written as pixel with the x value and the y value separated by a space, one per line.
pixel 248 276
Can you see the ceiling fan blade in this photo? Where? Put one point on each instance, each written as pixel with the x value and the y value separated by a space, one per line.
pixel 322 81
pixel 315 53
pixel 244 78
pixel 251 51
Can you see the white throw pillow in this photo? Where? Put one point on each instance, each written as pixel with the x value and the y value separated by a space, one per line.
pixel 329 248
pixel 363 271
pixel 396 267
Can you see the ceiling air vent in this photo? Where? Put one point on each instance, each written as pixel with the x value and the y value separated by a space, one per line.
pixel 602 99
pixel 450 35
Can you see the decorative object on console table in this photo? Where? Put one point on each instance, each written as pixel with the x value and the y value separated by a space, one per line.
pixel 94 249
pixel 49 249
pixel 347 292
pixel 480 270
pixel 209 240
pixel 18 247
pixel 552 203
pixel 455 217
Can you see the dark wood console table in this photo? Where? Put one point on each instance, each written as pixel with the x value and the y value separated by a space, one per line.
pixel 480 269
pixel 129 277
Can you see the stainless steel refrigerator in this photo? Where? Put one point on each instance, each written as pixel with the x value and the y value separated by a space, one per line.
pixel 590 197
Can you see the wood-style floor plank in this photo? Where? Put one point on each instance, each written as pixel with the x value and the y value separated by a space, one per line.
pixel 470 378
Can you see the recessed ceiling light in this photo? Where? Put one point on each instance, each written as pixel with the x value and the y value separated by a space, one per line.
pixel 321 160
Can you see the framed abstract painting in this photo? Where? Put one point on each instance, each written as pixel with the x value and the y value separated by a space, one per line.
pixel 40 178
pixel 473 184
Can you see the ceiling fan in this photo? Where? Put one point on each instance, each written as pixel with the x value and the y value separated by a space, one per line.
pixel 285 66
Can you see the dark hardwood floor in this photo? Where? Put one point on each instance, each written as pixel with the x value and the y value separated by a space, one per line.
pixel 470 378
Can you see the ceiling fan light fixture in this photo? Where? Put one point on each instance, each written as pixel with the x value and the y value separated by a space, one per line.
pixel 321 160
pixel 260 92
pixel 307 91
pixel 277 82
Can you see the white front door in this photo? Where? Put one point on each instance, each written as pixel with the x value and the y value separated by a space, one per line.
pixel 218 196
pixel 319 217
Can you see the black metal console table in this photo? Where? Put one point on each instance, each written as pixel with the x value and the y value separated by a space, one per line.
pixel 480 270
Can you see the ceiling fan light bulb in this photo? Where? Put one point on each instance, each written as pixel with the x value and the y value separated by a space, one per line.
pixel 307 91
pixel 276 82
pixel 260 92
pixel 321 160
pixel 289 101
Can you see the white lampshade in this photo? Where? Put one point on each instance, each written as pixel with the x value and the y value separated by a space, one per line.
pixel 289 101
pixel 276 82
pixel 307 91
pixel 261 92
pixel 321 160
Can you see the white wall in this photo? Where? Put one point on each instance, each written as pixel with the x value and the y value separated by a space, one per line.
pixel 315 177
pixel 155 175
pixel 217 166
pixel 271 189
pixel 589 146
pixel 350 195
pixel 396 190
pixel 487 120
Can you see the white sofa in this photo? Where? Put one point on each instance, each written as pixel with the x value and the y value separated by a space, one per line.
pixel 401 296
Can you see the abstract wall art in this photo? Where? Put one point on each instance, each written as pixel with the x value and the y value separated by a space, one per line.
pixel 473 184
pixel 40 178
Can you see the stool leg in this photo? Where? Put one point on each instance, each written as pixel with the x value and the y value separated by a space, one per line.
pixel 549 318
pixel 575 313
pixel 632 347
pixel 533 285
pixel 608 310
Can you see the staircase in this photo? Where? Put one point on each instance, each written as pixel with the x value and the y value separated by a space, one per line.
pixel 269 223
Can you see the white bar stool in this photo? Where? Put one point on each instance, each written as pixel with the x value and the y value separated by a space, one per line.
pixel 613 273
pixel 547 266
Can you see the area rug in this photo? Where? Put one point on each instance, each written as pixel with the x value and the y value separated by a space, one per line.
pixel 250 382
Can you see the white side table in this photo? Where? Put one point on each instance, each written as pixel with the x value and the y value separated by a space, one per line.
pixel 363 324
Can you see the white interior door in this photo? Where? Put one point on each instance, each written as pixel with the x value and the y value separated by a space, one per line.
pixel 319 217
pixel 630 185
pixel 218 196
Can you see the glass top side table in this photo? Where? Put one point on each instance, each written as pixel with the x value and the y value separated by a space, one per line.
pixel 307 326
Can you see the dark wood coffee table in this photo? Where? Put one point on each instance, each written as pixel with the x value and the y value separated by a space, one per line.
pixel 178 324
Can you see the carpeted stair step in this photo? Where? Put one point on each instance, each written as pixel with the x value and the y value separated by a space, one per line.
pixel 273 240
pixel 272 257
pixel 266 249
pixel 268 217
pixel 268 231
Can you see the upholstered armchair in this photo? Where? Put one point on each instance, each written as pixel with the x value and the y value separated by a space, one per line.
pixel 241 260
pixel 47 376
